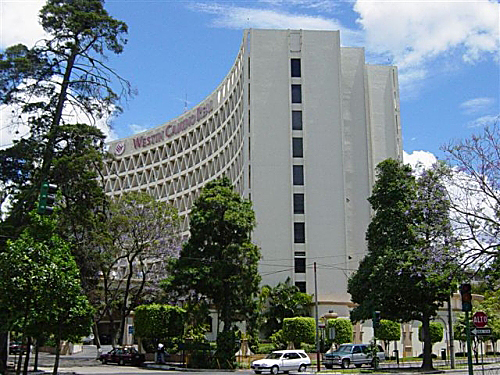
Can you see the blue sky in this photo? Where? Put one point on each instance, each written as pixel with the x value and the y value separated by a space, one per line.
pixel 447 54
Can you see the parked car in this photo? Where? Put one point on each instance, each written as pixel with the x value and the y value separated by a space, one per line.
pixel 89 340
pixel 282 360
pixel 122 356
pixel 356 354
pixel 16 347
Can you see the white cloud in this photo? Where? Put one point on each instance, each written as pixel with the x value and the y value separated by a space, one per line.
pixel 484 121
pixel 318 5
pixel 279 14
pixel 466 196
pixel 417 36
pixel 138 128
pixel 19 22
pixel 14 124
pixel 234 17
pixel 477 105
pixel 415 33
pixel 419 160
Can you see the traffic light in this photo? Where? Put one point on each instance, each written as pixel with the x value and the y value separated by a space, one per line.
pixel 466 292
pixel 376 319
pixel 47 198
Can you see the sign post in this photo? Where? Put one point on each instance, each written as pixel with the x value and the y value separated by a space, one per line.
pixel 480 319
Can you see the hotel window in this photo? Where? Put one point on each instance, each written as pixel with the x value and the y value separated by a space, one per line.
pixel 299 232
pixel 297 148
pixel 296 94
pixel 298 175
pixel 296 120
pixel 301 285
pixel 295 67
pixel 300 265
pixel 298 203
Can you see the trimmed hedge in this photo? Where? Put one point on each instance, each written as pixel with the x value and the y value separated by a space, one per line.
pixel 299 330
pixel 157 322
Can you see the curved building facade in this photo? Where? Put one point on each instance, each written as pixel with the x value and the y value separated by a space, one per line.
pixel 174 161
pixel 298 124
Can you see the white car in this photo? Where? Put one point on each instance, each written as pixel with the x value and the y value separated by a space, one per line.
pixel 282 360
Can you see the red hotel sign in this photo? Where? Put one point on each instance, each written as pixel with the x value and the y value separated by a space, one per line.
pixel 174 127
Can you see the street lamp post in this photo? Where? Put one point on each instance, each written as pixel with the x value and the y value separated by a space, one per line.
pixel 318 364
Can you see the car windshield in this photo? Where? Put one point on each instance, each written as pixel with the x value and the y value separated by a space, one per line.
pixel 274 355
pixel 344 348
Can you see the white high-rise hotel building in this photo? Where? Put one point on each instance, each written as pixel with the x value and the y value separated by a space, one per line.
pixel 298 124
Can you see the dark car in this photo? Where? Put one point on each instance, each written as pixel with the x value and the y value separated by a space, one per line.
pixel 356 354
pixel 16 347
pixel 122 356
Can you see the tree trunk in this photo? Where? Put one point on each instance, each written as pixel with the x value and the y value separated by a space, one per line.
pixel 58 354
pixel 97 340
pixel 3 352
pixel 427 360
pixel 37 346
pixel 61 100
pixel 27 359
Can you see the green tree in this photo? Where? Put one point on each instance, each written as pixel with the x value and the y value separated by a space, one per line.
pixel 219 262
pixel 436 331
pixel 388 331
pixel 159 323
pixel 63 74
pixel 299 330
pixel 343 330
pixel 412 257
pixel 40 286
pixel 141 235
pixel 283 301
pixel 491 307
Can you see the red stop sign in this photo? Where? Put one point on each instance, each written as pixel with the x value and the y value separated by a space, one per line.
pixel 480 319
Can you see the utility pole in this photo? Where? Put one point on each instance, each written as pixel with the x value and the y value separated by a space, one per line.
pixel 466 292
pixel 450 329
pixel 318 363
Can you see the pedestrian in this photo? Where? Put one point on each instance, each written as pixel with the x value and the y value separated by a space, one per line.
pixel 161 353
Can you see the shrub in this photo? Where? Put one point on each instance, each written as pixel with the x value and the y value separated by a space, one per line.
pixel 343 331
pixel 309 348
pixel 227 346
pixel 265 348
pixel 436 330
pixel 155 323
pixel 299 330
pixel 278 340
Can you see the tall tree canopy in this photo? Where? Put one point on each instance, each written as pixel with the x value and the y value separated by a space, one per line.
pixel 283 301
pixel 60 81
pixel 475 195
pixel 40 287
pixel 219 262
pixel 409 270
pixel 140 236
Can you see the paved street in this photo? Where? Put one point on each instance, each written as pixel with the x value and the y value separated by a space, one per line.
pixel 85 363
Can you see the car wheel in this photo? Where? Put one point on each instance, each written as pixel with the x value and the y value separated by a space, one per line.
pixel 329 367
pixel 104 361
pixel 121 362
pixel 258 372
pixel 358 365
pixel 274 370
pixel 345 363
pixel 302 368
